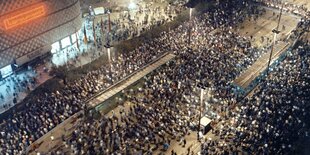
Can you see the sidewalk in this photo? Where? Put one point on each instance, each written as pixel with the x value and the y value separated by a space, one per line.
pixel 13 84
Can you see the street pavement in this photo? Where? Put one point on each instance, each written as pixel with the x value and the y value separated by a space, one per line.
pixel 263 26
pixel 245 78
pixel 260 30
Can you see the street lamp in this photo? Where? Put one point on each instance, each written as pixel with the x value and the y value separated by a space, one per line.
pixel 190 26
pixel 108 45
pixel 190 13
pixel 202 87
pixel 132 6
pixel 275 32
pixel 109 54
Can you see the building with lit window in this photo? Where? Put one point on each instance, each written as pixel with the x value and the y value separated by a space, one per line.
pixel 30 29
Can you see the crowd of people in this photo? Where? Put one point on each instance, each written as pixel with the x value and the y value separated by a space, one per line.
pixel 129 24
pixel 48 110
pixel 274 117
pixel 39 117
pixel 167 106
pixel 15 85
pixel 135 22
pixel 213 56
pixel 132 23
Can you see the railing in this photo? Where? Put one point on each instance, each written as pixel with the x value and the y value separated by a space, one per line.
pixel 263 75
pixel 30 148
pixel 124 79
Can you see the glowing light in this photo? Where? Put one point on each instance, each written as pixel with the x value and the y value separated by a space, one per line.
pixel 24 16
pixel 132 6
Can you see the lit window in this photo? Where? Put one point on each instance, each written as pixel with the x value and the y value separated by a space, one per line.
pixel 55 47
pixel 73 38
pixel 6 71
pixel 65 42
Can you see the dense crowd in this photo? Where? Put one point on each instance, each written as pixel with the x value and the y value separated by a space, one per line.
pixel 144 18
pixel 132 23
pixel 167 106
pixel 267 122
pixel 129 24
pixel 49 110
pixel 214 56
pixel 150 123
pixel 274 117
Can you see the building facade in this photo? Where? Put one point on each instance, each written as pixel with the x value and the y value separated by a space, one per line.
pixel 29 29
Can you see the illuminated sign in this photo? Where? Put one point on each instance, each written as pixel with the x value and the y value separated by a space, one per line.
pixel 24 16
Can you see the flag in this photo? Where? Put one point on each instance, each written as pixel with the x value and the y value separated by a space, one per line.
pixel 85 36
pixel 109 23
pixel 77 41
pixel 94 33
pixel 101 25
